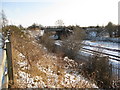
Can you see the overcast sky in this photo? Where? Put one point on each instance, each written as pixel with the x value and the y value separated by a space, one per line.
pixel 72 12
pixel 119 13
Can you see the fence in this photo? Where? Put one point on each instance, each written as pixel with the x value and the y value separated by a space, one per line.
pixel 114 64
pixel 3 71
pixel 6 69
pixel 116 72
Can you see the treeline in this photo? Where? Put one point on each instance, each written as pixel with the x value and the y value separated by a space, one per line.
pixel 11 28
pixel 113 30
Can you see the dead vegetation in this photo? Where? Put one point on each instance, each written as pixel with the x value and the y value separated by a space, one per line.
pixel 96 69
pixel 36 68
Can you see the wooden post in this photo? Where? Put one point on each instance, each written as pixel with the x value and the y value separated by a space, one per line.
pixel 111 70
pixel 9 62
pixel 118 71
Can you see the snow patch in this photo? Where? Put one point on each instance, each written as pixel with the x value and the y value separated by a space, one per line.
pixel 23 63
pixel 21 55
pixel 29 81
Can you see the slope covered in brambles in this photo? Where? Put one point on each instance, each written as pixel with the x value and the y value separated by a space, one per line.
pixel 35 67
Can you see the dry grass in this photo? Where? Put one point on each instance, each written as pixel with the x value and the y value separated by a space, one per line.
pixel 35 67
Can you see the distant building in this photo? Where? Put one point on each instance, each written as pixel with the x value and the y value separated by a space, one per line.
pixel 96 32
pixel 91 32
pixel 104 33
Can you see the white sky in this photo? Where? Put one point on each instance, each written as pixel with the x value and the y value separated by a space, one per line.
pixel 119 14
pixel 72 12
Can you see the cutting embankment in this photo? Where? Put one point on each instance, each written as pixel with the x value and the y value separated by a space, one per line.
pixel 35 67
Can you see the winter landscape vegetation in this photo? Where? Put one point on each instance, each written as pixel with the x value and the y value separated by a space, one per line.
pixel 59 56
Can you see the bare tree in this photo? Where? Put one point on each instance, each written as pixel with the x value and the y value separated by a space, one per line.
pixel 72 44
pixel 118 31
pixel 59 23
pixel 111 28
pixel 3 19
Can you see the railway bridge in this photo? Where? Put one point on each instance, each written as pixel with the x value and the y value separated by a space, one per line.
pixel 58 30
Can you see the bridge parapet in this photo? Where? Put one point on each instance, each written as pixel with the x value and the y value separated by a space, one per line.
pixel 54 28
pixel 3 71
pixel 6 69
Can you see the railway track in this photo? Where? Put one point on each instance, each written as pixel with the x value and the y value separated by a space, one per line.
pixel 116 50
pixel 115 66
pixel 97 49
pixel 111 56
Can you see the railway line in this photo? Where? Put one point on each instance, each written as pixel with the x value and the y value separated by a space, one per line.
pixel 113 57
pixel 111 53
pixel 116 50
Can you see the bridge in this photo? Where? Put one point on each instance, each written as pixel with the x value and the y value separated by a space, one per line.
pixel 3 70
pixel 53 28
pixel 6 70
pixel 59 30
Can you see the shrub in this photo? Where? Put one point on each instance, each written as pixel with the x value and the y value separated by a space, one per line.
pixel 72 44
pixel 12 28
pixel 99 70
pixel 46 41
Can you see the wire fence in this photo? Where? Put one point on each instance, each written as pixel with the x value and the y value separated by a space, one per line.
pixel 116 75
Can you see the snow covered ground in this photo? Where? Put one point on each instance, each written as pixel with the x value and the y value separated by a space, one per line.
pixel 50 78
pixel 109 45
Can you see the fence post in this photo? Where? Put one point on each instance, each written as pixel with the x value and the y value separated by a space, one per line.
pixel 111 70
pixel 9 61
pixel 118 71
